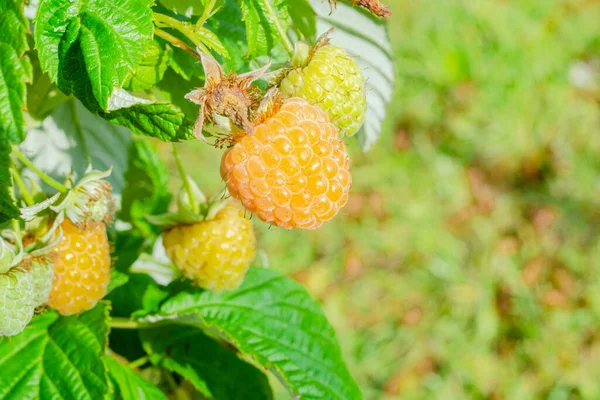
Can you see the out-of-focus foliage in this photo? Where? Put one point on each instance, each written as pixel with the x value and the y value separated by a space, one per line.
pixel 467 263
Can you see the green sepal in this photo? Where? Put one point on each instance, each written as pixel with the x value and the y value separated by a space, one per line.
pixel 190 211
pixel 11 254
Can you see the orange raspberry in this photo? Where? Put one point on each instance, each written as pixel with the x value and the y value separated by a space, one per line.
pixel 81 269
pixel 293 171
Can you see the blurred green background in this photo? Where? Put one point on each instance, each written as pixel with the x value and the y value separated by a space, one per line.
pixel 467 262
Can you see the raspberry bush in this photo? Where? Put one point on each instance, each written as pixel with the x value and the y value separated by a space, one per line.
pixel 112 286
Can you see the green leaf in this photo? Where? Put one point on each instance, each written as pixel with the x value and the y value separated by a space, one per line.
pixel 304 19
pixel 13 26
pixel 89 48
pixel 15 70
pixel 117 279
pixel 159 120
pixel 274 322
pixel 261 29
pixel 12 95
pixel 129 385
pixel 150 69
pixel 228 26
pixel 145 192
pixel 367 39
pixel 140 293
pixel 72 137
pixel 184 7
pixel 57 358
pixel 8 210
pixel 215 371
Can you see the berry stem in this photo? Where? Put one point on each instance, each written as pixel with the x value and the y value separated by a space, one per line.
pixel 22 187
pixel 176 42
pixel 284 38
pixel 43 176
pixel 186 182
pixel 126 323
pixel 138 363
pixel 170 22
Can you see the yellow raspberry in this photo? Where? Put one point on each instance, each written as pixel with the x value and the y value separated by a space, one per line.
pixel 294 171
pixel 331 79
pixel 215 253
pixel 81 269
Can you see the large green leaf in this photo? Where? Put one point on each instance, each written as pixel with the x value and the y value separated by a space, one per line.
pixel 262 32
pixel 57 358
pixel 365 37
pixel 129 385
pixel 12 95
pixel 71 137
pixel 274 322
pixel 14 70
pixel 13 25
pixel 90 47
pixel 145 192
pixel 214 370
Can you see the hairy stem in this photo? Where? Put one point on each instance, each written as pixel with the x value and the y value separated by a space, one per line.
pixel 176 42
pixel 187 30
pixel 22 187
pixel 138 363
pixel 186 183
pixel 126 323
pixel 43 176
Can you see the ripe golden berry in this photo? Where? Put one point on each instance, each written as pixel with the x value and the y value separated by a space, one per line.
pixel 294 171
pixel 81 268
pixel 332 80
pixel 217 253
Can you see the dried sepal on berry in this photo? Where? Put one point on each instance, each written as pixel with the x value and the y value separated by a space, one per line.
pixel 226 95
pixel 376 7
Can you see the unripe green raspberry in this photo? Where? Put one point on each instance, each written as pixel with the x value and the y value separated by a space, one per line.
pixel 16 301
pixel 41 270
pixel 329 78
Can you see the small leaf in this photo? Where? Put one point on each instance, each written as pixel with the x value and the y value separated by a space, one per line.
pixel 159 120
pixel 130 385
pixel 57 358
pixel 145 192
pixel 89 48
pixel 261 30
pixel 215 371
pixel 366 38
pixel 117 279
pixel 274 322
